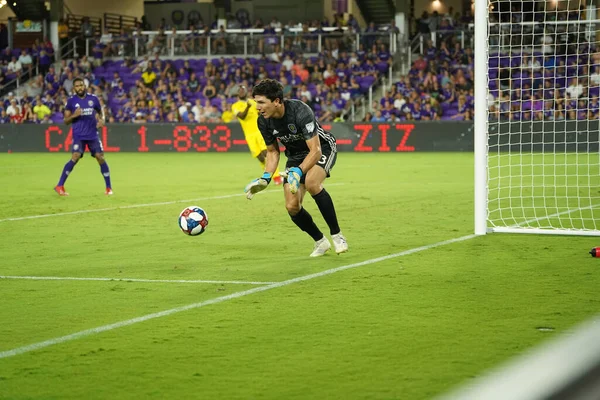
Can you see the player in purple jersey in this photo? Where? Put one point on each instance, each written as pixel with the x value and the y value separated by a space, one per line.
pixel 85 113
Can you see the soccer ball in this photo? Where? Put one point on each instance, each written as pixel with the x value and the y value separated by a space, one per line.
pixel 193 221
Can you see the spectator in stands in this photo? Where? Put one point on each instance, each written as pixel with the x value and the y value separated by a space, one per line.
pixel 575 88
pixel 209 91
pixel 87 29
pixel 14 67
pixel 63 34
pixel 14 111
pixel 185 112
pixel 68 82
pixel 41 110
pixel 44 60
pixel 220 41
pixel 214 115
pixel 191 40
pixel 148 76
pixel 4 117
pixel 26 63
pixel 420 64
pixel 84 64
pixel 106 42
pixel 329 110
pixel 159 43
pixel 269 41
pixel 6 56
pixel 378 117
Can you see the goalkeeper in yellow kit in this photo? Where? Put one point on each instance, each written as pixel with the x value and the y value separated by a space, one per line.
pixel 245 110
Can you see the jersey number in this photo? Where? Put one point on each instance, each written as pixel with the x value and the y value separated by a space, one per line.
pixel 323 159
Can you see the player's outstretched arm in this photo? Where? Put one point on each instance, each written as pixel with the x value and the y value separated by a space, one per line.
pixel 261 183
pixel 244 114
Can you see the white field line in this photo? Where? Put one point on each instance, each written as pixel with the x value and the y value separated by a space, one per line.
pixel 147 317
pixel 69 278
pixel 163 203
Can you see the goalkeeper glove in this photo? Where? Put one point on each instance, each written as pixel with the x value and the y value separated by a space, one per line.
pixel 257 185
pixel 293 178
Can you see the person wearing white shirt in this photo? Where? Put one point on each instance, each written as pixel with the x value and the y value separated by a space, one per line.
pixel 26 61
pixel 184 108
pixel 13 109
pixel 141 67
pixel 197 110
pixel 106 40
pixel 595 76
pixel 399 101
pixel 306 93
pixel 575 89
pixel 275 23
pixel 288 63
pixel 14 67
pixel 534 65
pixel 547 42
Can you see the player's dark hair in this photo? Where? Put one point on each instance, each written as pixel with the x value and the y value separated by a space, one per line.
pixel 78 79
pixel 270 88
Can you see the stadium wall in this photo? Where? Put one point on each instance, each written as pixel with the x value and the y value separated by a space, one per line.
pixel 294 10
pixel 132 8
pixel 552 137
pixel 353 137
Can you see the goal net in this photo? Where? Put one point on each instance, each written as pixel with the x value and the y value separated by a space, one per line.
pixel 537 153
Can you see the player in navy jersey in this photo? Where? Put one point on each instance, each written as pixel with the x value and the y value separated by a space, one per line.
pixel 311 153
pixel 85 113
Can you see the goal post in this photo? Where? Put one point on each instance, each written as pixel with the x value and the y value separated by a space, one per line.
pixel 480 115
pixel 536 118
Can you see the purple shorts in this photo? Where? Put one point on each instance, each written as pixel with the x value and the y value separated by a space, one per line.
pixel 95 146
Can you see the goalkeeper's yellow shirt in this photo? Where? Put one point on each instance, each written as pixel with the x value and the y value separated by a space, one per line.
pixel 249 124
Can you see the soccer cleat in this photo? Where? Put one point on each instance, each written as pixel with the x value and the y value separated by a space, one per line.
pixel 108 192
pixel 321 247
pixel 339 243
pixel 278 180
pixel 60 190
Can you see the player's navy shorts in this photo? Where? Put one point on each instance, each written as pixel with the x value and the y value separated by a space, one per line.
pixel 327 161
pixel 94 146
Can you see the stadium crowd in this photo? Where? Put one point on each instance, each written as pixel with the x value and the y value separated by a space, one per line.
pixel 537 72
pixel 157 88
pixel 555 77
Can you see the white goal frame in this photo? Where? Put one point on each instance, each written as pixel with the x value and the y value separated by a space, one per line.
pixel 482 224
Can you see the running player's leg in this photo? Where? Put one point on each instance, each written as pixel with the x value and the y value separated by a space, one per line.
pixel 98 152
pixel 77 150
pixel 314 185
pixel 304 221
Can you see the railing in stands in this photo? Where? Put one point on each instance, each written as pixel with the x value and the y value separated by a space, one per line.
pixel 115 22
pixel 69 49
pixel 238 42
pixel 15 84
pixel 419 43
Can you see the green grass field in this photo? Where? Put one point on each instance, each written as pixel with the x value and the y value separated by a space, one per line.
pixel 406 327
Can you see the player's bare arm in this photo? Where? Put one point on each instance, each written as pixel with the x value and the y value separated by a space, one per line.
pixel 244 114
pixel 313 156
pixel 69 117
pixel 273 154
pixel 99 120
